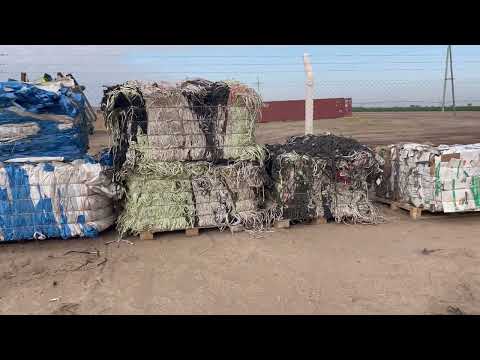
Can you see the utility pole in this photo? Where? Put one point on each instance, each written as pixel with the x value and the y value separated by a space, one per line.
pixel 258 84
pixel 308 94
pixel 448 60
pixel 2 71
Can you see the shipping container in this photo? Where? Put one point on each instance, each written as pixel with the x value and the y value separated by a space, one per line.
pixel 294 110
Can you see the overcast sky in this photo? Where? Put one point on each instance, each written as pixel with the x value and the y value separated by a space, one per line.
pixel 370 75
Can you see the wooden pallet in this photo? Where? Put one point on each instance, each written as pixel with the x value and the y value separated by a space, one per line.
pixel 195 231
pixel 415 212
pixel 285 223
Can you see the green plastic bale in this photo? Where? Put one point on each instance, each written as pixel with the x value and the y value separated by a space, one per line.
pixel 243 112
pixel 157 204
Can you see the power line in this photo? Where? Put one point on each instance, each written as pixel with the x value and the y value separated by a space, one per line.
pixel 241 56
pixel 238 72
pixel 253 64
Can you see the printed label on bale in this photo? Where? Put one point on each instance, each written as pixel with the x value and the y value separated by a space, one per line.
pixel 447 157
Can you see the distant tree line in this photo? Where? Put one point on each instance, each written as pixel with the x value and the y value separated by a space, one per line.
pixel 469 107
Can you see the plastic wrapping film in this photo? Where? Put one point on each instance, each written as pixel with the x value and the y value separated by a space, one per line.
pixel 47 120
pixel 54 199
pixel 444 178
pixel 49 187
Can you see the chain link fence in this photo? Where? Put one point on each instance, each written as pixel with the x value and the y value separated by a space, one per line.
pixel 410 79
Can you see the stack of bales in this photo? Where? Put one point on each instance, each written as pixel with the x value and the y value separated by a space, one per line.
pixel 185 154
pixel 49 187
pixel 443 178
pixel 323 176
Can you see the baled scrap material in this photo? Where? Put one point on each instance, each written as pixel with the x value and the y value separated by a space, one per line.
pixel 36 122
pixel 193 120
pixel 296 185
pixel 444 178
pixel 153 204
pixel 243 111
pixel 229 195
pixel 54 199
pixel 323 175
pixel 180 195
pixel 185 155
pixel 124 112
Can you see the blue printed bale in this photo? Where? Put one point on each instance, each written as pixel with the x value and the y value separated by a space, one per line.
pixel 44 120
pixel 54 199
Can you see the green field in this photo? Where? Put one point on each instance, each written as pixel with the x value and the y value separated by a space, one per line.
pixel 413 108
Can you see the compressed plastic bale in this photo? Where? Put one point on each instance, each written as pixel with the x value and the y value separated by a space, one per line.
pixel 180 195
pixel 225 191
pixel 294 187
pixel 244 110
pixel 324 176
pixel 177 132
pixel 173 129
pixel 54 199
pixel 350 204
pixel 35 122
pixel 157 204
pixel 194 120
pixel 438 178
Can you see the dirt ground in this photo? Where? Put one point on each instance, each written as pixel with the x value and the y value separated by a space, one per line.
pixel 387 128
pixel 368 128
pixel 307 269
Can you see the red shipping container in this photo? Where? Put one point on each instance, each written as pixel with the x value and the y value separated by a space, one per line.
pixel 294 110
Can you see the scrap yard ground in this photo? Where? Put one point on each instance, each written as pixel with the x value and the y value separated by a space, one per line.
pixel 321 269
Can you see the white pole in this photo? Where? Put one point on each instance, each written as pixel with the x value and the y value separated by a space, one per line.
pixel 308 94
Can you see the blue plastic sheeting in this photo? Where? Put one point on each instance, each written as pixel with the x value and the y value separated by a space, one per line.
pixel 106 157
pixel 36 207
pixel 66 137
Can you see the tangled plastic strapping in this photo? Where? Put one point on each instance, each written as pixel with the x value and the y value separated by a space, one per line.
pixel 185 155
pixel 324 176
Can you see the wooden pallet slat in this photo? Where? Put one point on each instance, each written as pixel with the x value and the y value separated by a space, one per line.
pixel 282 224
pixel 190 232
pixel 146 235
pixel 285 223
pixel 415 212
pixel 318 221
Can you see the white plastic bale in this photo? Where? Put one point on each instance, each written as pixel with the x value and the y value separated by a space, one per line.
pixel 426 177
pixel 79 192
